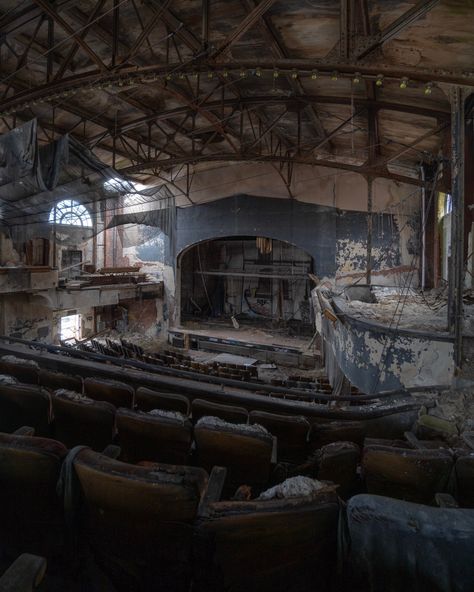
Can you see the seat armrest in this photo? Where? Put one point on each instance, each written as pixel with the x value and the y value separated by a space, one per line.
pixel 24 431
pixel 112 451
pixel 24 574
pixel 413 440
pixel 213 491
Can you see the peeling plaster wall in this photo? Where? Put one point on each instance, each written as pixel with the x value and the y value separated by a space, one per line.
pixel 336 239
pixel 375 358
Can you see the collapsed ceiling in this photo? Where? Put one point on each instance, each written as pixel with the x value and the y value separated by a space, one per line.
pixel 162 89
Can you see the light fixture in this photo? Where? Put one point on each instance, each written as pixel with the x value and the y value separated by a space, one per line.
pixel 379 80
pixel 428 88
pixel 210 74
pixel 314 75
pixel 169 76
pixel 294 74
pixel 181 75
pixel 356 78
pixel 276 73
pixel 258 72
pixel 242 73
pixel 404 83
pixel 334 75
pixel 225 73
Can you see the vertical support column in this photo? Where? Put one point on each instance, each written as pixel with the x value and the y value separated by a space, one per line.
pixel 369 231
pixel 455 289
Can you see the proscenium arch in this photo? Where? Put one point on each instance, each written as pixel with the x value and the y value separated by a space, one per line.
pixel 222 237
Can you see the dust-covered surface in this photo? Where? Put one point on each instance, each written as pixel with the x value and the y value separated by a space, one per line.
pixel 21 361
pixel 455 406
pixel 73 396
pixel 167 414
pixel 6 379
pixel 209 421
pixel 407 309
pixel 299 486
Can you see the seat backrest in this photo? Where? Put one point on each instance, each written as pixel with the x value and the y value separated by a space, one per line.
pixel 57 380
pixel 245 451
pixel 147 399
pixel 29 506
pixel 231 413
pixel 338 463
pixel 23 404
pixel 291 432
pixel 117 393
pixel 141 516
pixel 285 544
pixel 412 475
pixel 336 431
pixel 464 480
pixel 398 546
pixel 80 420
pixel 160 438
pixel 26 371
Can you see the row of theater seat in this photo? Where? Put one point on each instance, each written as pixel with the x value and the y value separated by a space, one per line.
pixel 168 435
pixel 156 527
pixel 162 527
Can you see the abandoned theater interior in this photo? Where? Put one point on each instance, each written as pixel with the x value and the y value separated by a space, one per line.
pixel 237 295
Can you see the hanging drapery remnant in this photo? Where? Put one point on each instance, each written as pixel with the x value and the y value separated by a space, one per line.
pixel 264 245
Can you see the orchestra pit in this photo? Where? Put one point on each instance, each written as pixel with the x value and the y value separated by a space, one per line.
pixel 236 295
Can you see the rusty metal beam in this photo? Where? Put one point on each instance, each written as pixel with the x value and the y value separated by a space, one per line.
pixel 164 164
pixel 403 21
pixel 49 10
pixel 243 27
pixel 73 50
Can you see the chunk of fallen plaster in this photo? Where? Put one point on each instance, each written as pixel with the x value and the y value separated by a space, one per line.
pixel 437 424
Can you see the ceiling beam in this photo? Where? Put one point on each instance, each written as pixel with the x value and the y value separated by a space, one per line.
pixel 222 157
pixel 248 22
pixel 270 100
pixel 48 9
pixel 403 21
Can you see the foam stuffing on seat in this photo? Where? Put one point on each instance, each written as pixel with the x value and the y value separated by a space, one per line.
pixel 6 379
pixel 240 428
pixel 167 414
pixel 299 486
pixel 14 360
pixel 73 396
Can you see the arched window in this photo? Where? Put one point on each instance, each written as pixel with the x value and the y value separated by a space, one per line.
pixel 70 213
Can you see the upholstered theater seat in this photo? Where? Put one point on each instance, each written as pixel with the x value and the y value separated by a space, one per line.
pixel 291 432
pixel 30 510
pixel 245 450
pixel 147 399
pixel 338 463
pixel 117 393
pixel 57 380
pixel 26 371
pixel 283 543
pixel 138 520
pixel 161 436
pixel 81 420
pixel 24 404
pixel 231 413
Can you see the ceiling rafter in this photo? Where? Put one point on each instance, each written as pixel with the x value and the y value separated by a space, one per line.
pixel 49 10
pixel 298 159
pixel 403 21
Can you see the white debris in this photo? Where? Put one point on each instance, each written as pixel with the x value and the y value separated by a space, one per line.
pixel 73 396
pixel 167 414
pixel 21 361
pixel 5 379
pixel 294 487
pixel 216 422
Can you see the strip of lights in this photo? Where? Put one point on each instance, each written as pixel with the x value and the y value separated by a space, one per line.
pixel 234 73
